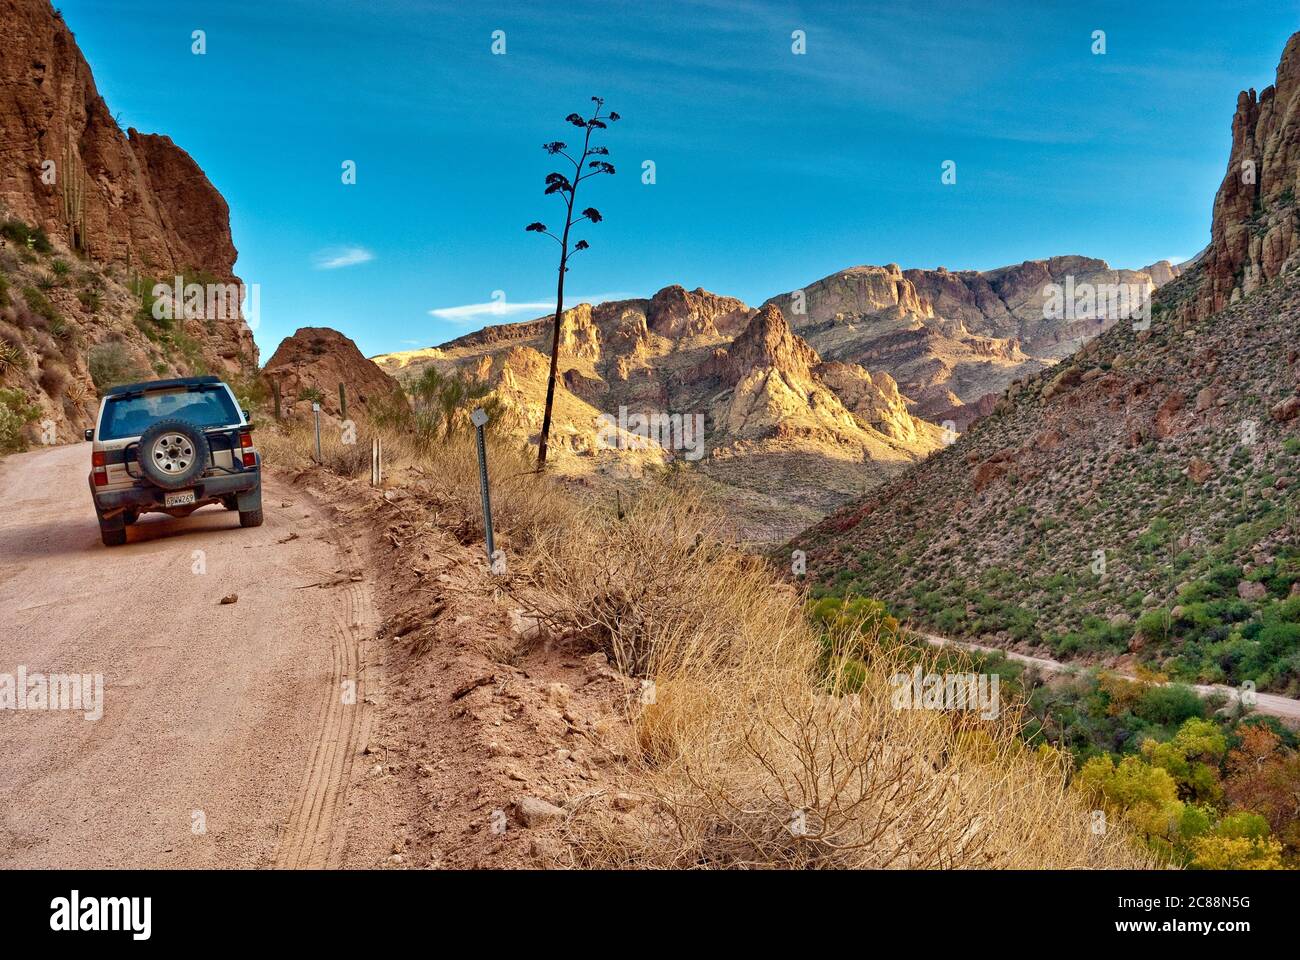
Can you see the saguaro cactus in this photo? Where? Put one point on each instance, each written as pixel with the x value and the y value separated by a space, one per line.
pixel 72 180
pixel 343 402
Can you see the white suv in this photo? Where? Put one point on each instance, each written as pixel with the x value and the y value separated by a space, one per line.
pixel 172 446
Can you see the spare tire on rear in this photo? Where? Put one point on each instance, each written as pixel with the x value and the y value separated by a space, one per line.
pixel 173 453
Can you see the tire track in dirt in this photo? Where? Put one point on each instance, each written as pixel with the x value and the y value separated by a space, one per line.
pixel 313 838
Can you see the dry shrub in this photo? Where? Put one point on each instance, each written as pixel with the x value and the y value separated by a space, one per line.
pixel 293 445
pixel 751 750
pixel 9 333
pixel 758 756
pixel 54 380
pixel 625 584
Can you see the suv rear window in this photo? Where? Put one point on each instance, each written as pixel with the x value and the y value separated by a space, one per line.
pixel 131 415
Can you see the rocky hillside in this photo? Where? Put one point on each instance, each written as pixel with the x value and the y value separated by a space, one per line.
pixel 955 340
pixel 93 217
pixel 1137 501
pixel 784 437
pixel 313 363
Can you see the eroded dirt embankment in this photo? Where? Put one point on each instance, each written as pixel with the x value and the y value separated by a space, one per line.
pixel 488 732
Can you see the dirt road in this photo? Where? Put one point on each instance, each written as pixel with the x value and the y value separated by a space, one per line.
pixel 228 731
pixel 1269 704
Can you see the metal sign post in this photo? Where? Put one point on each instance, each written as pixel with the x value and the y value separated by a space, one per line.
pixel 315 409
pixel 480 419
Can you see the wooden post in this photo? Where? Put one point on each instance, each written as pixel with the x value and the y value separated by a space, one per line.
pixel 376 462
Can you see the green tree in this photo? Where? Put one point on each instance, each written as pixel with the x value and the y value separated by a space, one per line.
pixel 1192 758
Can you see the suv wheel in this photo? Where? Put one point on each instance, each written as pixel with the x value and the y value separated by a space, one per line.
pixel 173 453
pixel 113 532
pixel 250 507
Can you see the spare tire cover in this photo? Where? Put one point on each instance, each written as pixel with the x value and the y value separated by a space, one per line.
pixel 173 453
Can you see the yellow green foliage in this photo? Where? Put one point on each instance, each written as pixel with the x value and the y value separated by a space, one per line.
pixel 1239 841
pixel 1192 758
pixel 1164 795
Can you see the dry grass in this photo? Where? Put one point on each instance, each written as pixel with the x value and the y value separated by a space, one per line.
pixel 747 753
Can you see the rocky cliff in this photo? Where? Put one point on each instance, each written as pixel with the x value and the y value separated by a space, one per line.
pixel 955 340
pixel 1255 235
pixel 817 395
pixel 92 219
pixel 110 196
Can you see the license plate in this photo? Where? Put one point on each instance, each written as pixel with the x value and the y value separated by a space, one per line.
pixel 178 499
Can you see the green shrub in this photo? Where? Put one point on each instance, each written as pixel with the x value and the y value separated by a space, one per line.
pixel 91 299
pixel 15 413
pixel 442 403
pixel 110 364
pixel 26 237
pixel 250 390
pixel 39 304
pixel 1169 705
pixel 11 356
pixel 1277 640
pixel 60 329
pixel 1155 535
pixel 1154 625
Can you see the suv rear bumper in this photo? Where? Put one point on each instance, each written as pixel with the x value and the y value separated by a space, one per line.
pixel 146 495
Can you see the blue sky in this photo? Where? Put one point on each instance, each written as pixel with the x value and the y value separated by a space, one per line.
pixel 772 169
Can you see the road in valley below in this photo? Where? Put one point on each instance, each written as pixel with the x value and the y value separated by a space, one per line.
pixel 227 731
pixel 1270 704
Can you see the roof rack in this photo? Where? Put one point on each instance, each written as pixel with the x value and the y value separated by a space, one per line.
pixel 161 385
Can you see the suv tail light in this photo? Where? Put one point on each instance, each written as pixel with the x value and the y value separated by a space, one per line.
pixel 246 445
pixel 99 468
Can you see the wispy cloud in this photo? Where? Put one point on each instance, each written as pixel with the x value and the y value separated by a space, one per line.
pixel 501 310
pixel 336 257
